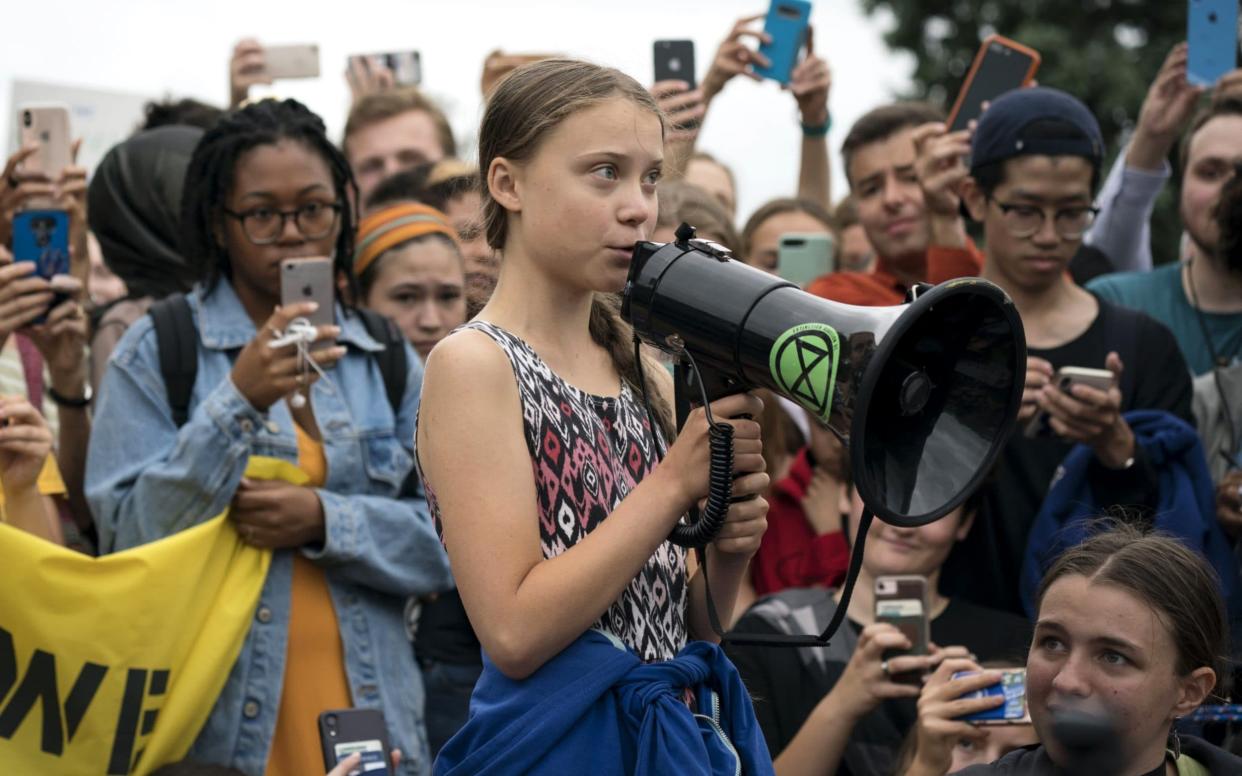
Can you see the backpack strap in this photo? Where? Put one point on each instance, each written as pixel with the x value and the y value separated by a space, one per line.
pixel 178 344
pixel 391 360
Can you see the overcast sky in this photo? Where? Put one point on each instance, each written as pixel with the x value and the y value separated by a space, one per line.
pixel 180 48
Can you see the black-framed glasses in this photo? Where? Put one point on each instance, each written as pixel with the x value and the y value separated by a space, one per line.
pixel 1071 223
pixel 264 225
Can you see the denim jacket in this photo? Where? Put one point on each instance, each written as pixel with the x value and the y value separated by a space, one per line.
pixel 147 479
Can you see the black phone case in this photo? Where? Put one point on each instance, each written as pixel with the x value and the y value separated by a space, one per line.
pixel 679 52
pixel 351 725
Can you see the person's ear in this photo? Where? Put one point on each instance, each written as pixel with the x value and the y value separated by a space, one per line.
pixel 974 199
pixel 504 185
pixel 964 523
pixel 1194 689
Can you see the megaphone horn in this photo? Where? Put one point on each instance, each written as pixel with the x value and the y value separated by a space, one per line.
pixel 925 394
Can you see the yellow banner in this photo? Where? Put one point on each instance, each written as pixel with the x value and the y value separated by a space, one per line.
pixel 111 665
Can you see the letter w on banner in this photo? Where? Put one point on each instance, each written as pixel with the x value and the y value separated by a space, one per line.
pixel 111 665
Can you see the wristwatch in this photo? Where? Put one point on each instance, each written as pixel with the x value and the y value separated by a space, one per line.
pixel 65 401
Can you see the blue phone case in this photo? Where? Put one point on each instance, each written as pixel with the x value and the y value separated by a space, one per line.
pixel 1012 686
pixel 42 236
pixel 786 23
pixel 1212 36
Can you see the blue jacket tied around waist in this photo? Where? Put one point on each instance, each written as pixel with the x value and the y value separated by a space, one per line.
pixel 1187 507
pixel 597 708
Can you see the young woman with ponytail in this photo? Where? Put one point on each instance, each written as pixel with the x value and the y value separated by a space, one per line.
pixel 554 495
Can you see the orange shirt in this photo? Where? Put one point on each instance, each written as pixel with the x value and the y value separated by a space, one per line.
pixel 881 287
pixel 315 678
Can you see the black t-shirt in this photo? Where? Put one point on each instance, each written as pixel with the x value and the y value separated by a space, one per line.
pixel 445 634
pixel 785 689
pixel 985 567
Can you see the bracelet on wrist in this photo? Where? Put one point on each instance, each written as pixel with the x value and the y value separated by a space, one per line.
pixel 816 130
pixel 76 403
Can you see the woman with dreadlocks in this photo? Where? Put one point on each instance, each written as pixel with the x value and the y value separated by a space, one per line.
pixel 265 185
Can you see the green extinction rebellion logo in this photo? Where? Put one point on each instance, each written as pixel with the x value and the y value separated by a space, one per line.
pixel 804 364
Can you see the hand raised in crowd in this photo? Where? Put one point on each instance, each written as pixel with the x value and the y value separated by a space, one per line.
pixel 1092 417
pixel 1038 375
pixel 1229 85
pixel 24 296
pixel 684 108
pixel 264 374
pixel 247 67
pixel 25 444
pixel 868 678
pixel 498 64
pixel 1168 106
pixel 940 164
pixel 940 704
pixel 18 187
pixel 810 83
pixel 62 337
pixel 275 515
pixel 734 57
pixel 70 193
pixel 367 75
pixel 1229 503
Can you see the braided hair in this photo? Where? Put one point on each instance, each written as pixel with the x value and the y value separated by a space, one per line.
pixel 213 166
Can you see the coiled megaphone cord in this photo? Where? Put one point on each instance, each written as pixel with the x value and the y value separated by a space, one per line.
pixel 703 526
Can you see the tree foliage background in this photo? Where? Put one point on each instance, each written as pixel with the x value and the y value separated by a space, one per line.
pixel 1105 52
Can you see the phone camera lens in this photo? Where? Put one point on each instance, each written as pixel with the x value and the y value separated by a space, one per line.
pixel 1212 17
pixel 331 720
pixel 26 118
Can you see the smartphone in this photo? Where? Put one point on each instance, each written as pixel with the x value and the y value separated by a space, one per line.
pixel 45 125
pixel 1012 687
pixel 1212 40
pixel 1001 65
pixel 1066 378
pixel 309 280
pixel 801 258
pixel 674 61
pixel 406 66
pixel 42 237
pixel 786 23
pixel 344 732
pixel 298 60
pixel 902 602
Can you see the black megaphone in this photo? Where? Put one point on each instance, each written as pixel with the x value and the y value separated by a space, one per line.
pixel 924 394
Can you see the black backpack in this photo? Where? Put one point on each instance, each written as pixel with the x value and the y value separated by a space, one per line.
pixel 178 343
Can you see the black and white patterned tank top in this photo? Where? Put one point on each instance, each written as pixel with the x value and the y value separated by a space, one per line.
pixel 588 452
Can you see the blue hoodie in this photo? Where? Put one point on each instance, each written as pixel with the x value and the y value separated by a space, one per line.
pixel 597 708
pixel 1187 507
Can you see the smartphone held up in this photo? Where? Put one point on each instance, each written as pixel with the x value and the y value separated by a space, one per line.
pixel 901 601
pixel 1001 65
pixel 786 25
pixel 1011 687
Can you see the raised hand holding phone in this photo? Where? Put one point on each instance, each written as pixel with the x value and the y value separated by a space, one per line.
pixel 810 82
pixel 734 57
pixel 786 26
pixel 247 68
pixel 999 66
pixel 264 374
pixel 941 704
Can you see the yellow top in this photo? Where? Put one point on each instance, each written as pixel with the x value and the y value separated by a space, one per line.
pixel 315 678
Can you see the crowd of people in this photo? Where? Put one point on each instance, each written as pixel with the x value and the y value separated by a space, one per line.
pixel 482 536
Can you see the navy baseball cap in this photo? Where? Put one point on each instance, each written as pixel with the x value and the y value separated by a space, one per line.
pixel 1037 121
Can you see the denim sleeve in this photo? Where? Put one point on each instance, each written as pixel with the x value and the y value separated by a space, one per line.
pixel 386 543
pixel 147 479
pixel 1122 230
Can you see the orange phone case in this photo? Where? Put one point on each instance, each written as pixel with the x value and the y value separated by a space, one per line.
pixel 979 57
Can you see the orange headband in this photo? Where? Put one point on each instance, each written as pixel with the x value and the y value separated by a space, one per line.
pixel 394 225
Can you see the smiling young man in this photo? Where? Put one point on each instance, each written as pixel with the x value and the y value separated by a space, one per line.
pixel 1035 162
pixel 903 168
